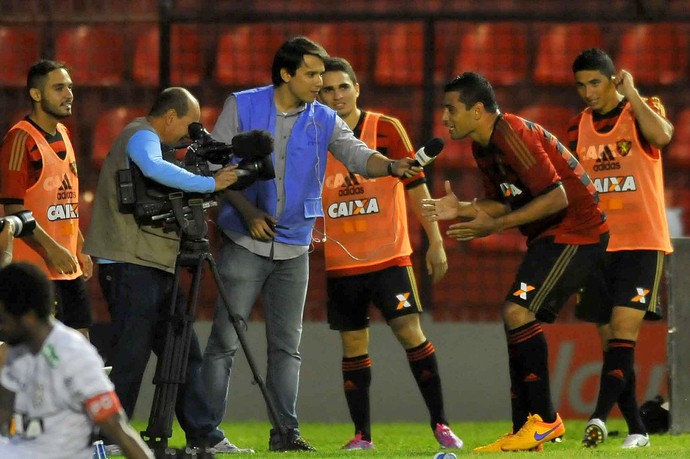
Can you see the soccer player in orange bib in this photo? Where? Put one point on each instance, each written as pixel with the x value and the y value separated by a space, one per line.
pixel 364 213
pixel 38 172
pixel 618 140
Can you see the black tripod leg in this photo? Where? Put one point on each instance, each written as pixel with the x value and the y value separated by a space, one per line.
pixel 172 362
pixel 237 324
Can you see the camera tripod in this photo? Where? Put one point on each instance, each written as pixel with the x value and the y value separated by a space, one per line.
pixel 172 363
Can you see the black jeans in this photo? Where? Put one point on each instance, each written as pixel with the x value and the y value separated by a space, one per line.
pixel 139 299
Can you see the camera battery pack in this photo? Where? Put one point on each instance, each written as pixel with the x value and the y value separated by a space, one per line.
pixel 125 187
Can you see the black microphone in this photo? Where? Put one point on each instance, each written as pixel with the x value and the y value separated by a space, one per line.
pixel 428 152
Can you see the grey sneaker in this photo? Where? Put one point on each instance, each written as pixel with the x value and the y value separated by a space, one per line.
pixel 226 447
pixel 635 441
pixel 113 450
pixel 595 433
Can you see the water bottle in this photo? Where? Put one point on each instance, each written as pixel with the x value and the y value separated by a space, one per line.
pixel 99 450
pixel 443 455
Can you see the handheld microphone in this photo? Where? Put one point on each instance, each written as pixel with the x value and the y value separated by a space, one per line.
pixel 428 152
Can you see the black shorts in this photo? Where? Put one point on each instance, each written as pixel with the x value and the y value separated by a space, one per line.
pixel 550 273
pixel 630 278
pixel 72 306
pixel 392 290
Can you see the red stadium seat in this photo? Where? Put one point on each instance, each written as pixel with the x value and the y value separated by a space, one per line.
pixel 354 48
pixel 187 57
pixel 553 118
pixel 496 50
pixel 209 116
pixel 400 55
pixel 558 47
pixel 108 126
pixel 96 54
pixel 653 53
pixel 19 48
pixel 678 153
pixel 245 54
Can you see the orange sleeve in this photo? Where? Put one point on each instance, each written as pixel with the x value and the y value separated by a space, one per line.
pixel 14 165
pixel 102 406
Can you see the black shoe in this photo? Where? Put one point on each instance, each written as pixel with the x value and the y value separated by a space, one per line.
pixel 292 441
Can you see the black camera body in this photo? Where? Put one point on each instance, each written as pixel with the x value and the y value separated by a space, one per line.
pixel 253 148
pixel 154 204
pixel 22 221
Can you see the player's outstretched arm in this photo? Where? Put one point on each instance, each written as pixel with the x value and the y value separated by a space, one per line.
pixel 116 428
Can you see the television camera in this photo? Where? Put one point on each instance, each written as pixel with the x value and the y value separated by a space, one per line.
pixel 23 222
pixel 156 204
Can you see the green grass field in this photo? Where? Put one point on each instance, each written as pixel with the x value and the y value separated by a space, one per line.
pixel 406 440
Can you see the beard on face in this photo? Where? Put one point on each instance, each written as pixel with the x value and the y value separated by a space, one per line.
pixel 53 110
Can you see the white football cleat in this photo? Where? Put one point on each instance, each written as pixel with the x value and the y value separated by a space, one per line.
pixel 635 441
pixel 595 433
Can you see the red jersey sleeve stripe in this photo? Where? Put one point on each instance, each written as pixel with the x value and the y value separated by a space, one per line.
pixel 401 131
pixel 516 144
pixel 18 151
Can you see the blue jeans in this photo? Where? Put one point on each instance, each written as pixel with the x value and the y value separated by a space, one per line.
pixel 283 288
pixel 139 299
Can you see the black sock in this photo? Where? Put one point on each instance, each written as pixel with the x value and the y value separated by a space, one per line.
pixel 518 403
pixel 618 366
pixel 627 402
pixel 424 368
pixel 356 382
pixel 529 347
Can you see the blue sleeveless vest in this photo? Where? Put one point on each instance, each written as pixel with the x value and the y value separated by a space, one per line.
pixel 305 167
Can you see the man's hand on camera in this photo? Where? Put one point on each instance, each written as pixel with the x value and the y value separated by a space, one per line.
pixel 225 177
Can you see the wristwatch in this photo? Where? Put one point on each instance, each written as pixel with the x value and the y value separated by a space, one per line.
pixel 390 169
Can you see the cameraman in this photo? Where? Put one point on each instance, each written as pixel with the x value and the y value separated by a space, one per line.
pixel 136 263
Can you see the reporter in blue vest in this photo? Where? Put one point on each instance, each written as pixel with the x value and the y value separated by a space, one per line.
pixel 267 227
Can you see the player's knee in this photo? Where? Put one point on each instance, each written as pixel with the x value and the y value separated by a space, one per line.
pixel 408 331
pixel 355 343
pixel 515 316
pixel 626 323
